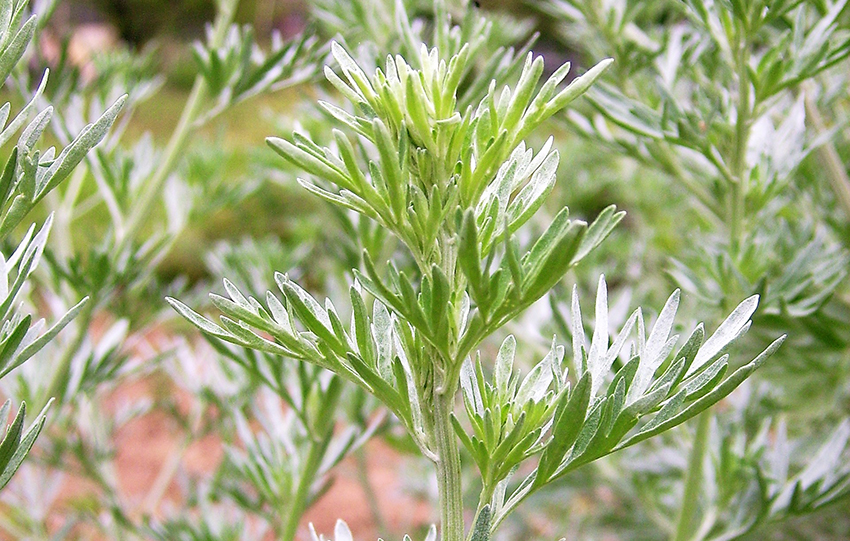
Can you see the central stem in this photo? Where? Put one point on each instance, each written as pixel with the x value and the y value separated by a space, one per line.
pixel 448 468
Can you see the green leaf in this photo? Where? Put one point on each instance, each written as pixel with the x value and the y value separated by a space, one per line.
pixel 481 530
pixel 551 256
pixel 599 231
pixel 712 397
pixel 730 330
pixel 469 258
pixel 12 340
pixel 529 200
pixel 504 366
pixel 23 446
pixel 567 423
pixel 8 176
pixel 12 435
pixel 576 88
pixel 396 183
pixel 531 72
pixel 308 162
pixel 15 49
pixel 74 153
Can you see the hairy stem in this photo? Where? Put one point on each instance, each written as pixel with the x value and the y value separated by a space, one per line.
pixel 448 468
pixel 693 482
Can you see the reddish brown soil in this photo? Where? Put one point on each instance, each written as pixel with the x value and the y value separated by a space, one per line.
pixel 151 443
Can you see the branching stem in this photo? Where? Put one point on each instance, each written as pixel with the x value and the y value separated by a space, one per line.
pixel 180 137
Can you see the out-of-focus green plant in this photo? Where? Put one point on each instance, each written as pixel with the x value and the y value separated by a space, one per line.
pixel 28 176
pixel 117 218
pixel 455 184
pixel 722 98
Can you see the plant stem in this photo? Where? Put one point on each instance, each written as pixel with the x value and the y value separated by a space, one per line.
pixel 368 490
pixel 298 504
pixel 448 467
pixel 835 169
pixel 180 136
pixel 693 481
pixel 742 137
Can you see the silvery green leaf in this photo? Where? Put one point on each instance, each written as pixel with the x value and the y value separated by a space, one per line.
pixel 529 200
pixel 658 346
pixel 352 71
pixel 533 388
pixel 359 326
pixel 599 342
pixel 499 190
pixel 29 251
pixel 31 346
pixel 341 532
pixel 469 386
pixel 578 86
pixel 279 313
pixel 673 415
pixel 14 49
pixel 308 161
pixel 481 529
pixel 33 131
pixel 707 379
pixel 15 447
pixel 598 231
pixel 236 295
pixel 238 332
pixel 579 352
pixel 382 334
pixel 828 460
pixel 504 365
pixel 615 349
pixel 22 116
pixel 728 331
pixel 779 454
pixel 202 323
pixel 73 154
pixel 308 310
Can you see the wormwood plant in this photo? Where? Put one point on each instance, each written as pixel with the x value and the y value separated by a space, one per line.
pixel 143 195
pixel 28 176
pixel 455 186
pixel 722 99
